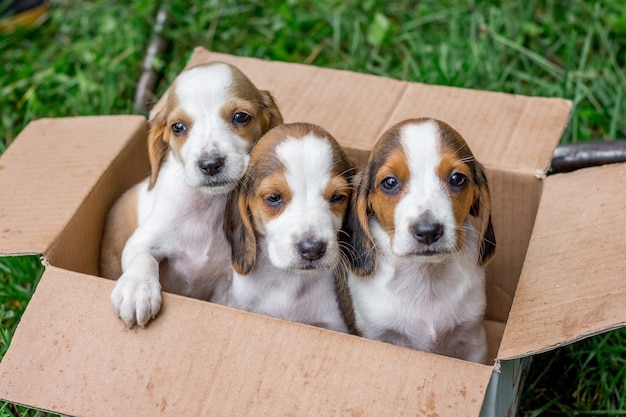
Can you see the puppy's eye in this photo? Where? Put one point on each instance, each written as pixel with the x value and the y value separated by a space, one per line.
pixel 274 200
pixel 390 185
pixel 457 180
pixel 241 118
pixel 179 128
pixel 337 199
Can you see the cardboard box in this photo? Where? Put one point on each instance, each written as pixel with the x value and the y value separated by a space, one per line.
pixel 70 354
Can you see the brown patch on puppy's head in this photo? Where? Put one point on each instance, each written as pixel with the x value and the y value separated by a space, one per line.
pixel 385 182
pixel 245 110
pixel 467 184
pixel 249 112
pixel 387 163
pixel 265 193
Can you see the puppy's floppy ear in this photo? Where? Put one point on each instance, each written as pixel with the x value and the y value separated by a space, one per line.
pixel 360 248
pixel 157 147
pixel 239 231
pixel 274 116
pixel 344 299
pixel 481 208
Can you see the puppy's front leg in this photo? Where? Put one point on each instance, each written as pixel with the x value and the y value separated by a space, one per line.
pixel 136 297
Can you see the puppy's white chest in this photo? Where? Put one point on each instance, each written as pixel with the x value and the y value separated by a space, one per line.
pixel 417 309
pixel 193 254
pixel 195 250
pixel 305 298
pixel 388 314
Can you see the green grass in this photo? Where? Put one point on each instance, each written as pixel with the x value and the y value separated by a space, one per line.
pixel 12 410
pixel 18 278
pixel 586 378
pixel 85 58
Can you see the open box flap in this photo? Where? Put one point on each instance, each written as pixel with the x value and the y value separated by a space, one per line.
pixel 48 171
pixel 71 355
pixel 572 284
pixel 513 132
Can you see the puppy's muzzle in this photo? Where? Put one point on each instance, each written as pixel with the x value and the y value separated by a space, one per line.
pixel 427 232
pixel 311 249
pixel 211 165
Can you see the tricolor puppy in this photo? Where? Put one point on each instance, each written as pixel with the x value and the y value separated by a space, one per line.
pixel 420 236
pixel 283 226
pixel 199 146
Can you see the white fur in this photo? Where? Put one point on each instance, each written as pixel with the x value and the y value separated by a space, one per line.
pixel 431 306
pixel 307 170
pixel 303 296
pixel 279 285
pixel 430 303
pixel 181 219
pixel 202 102
pixel 426 195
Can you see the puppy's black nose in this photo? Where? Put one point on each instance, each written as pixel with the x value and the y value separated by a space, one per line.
pixel 311 250
pixel 211 165
pixel 427 232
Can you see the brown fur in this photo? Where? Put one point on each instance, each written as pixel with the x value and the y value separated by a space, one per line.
pixel 481 209
pixel 462 199
pixel 344 299
pixel 158 140
pixel 481 199
pixel 381 203
pixel 274 183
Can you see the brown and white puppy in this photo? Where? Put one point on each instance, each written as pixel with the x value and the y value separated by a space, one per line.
pixel 420 237
pixel 283 226
pixel 199 146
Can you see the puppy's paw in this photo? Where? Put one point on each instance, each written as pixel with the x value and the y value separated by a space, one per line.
pixel 136 300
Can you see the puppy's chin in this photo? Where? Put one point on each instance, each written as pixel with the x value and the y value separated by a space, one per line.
pixel 218 188
pixel 429 256
pixel 209 186
pixel 424 255
pixel 302 266
pixel 312 267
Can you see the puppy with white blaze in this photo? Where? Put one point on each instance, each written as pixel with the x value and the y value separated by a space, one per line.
pixel 420 235
pixel 283 225
pixel 167 231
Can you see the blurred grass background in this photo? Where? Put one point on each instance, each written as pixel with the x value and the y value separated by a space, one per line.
pixel 85 58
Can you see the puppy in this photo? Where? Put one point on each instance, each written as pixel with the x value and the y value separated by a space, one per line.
pixel 420 236
pixel 283 226
pixel 198 146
